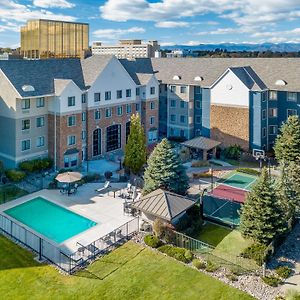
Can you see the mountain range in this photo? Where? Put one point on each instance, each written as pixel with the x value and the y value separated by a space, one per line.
pixel 278 47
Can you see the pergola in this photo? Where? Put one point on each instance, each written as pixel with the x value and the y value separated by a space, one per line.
pixel 202 143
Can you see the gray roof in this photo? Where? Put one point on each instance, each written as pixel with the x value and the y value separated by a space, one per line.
pixel 163 204
pixel 267 70
pixel 60 84
pixel 201 142
pixel 41 74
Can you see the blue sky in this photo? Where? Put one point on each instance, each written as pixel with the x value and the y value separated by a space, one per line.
pixel 188 22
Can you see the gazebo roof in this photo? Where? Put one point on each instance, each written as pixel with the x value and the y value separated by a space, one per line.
pixel 163 204
pixel 202 143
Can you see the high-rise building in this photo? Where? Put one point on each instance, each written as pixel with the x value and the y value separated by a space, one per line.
pixel 127 49
pixel 49 38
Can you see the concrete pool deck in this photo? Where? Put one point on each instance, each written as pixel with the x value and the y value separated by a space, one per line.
pixel 106 210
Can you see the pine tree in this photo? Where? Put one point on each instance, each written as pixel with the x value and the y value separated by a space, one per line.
pixel 262 216
pixel 287 145
pixel 165 171
pixel 135 149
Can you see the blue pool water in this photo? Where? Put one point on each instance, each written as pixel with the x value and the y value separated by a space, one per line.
pixel 51 220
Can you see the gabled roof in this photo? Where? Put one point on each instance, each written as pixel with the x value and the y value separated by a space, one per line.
pixel 201 142
pixel 143 78
pixel 60 85
pixel 163 204
pixel 40 74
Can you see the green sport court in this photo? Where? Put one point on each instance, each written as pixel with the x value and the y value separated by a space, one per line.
pixel 239 180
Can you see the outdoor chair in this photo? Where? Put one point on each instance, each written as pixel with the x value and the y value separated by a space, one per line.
pixel 104 188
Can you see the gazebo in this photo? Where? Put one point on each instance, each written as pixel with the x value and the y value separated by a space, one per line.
pixel 164 205
pixel 202 145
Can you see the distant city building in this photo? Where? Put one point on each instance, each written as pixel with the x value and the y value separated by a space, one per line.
pixel 177 53
pixel 48 38
pixel 8 56
pixel 127 49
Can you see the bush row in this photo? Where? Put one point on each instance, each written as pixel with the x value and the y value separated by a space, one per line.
pixel 15 175
pixel 180 254
pixel 36 165
pixel 248 171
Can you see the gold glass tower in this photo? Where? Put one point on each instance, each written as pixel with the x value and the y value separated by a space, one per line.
pixel 48 38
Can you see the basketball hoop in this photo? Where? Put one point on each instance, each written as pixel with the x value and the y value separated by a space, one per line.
pixel 258 154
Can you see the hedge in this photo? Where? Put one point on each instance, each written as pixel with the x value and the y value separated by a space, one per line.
pixel 272 280
pixel 180 254
pixel 15 175
pixel 152 241
pixel 248 171
pixel 199 264
pixel 284 271
pixel 36 165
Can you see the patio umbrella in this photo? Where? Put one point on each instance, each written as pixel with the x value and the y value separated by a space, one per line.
pixel 68 177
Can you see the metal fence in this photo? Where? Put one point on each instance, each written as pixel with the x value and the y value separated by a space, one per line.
pixel 65 261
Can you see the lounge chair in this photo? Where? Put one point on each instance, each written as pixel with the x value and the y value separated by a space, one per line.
pixel 104 188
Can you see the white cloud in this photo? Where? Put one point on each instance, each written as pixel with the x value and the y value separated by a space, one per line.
pixel 112 34
pixel 164 44
pixel 192 43
pixel 53 3
pixel 171 24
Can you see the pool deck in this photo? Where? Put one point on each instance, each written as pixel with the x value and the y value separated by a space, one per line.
pixel 105 210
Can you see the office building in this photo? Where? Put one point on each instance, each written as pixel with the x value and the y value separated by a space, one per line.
pixel 48 38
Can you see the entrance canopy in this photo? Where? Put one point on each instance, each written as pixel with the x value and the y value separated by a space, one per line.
pixel 201 143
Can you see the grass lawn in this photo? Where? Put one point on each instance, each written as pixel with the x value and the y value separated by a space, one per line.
pixel 10 192
pixel 228 244
pixel 130 272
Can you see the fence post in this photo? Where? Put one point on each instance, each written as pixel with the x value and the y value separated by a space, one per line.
pixel 40 249
pixel 127 230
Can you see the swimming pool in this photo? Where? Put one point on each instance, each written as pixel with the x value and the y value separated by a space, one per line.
pixel 51 220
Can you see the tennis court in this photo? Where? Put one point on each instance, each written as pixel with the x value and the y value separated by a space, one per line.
pixel 238 180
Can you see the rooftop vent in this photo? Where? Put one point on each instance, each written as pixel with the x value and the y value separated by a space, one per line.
pixel 198 78
pixel 176 77
pixel 28 88
pixel 280 82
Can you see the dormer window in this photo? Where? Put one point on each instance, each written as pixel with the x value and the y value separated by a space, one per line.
pixel 176 77
pixel 28 88
pixel 198 78
pixel 280 82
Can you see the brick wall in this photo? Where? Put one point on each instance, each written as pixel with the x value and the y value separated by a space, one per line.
pixel 230 125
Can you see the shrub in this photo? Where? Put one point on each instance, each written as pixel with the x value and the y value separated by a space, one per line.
pixel 175 252
pixel 271 280
pixel 255 252
pixel 15 175
pixel 201 175
pixel 159 228
pixel 188 255
pixel 248 171
pixel 177 139
pixel 283 271
pixel 91 178
pixel 231 277
pixel 108 175
pixel 233 152
pixel 200 163
pixel 211 267
pixel 292 295
pixel 199 264
pixel 36 165
pixel 152 241
pixel 52 185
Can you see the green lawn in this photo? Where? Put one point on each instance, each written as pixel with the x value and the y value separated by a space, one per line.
pixel 10 192
pixel 130 272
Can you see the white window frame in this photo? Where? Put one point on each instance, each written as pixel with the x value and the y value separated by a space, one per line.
pixel 38 139
pixel 23 122
pixel 73 117
pixel 70 140
pixel 25 103
pixel 71 101
pixel 275 95
pixel 40 102
pixel 291 99
pixel 28 140
pixel 275 131
pixel 42 123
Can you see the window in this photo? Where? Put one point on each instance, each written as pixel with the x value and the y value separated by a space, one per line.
pixel 66 162
pixel 108 95
pixel 40 122
pixel 292 97
pixel 113 137
pixel 71 101
pixel 273 95
pixel 263 114
pixel 71 140
pixel 83 117
pixel 97 97
pixel 25 103
pixel 83 98
pixel 120 110
pixel 108 112
pixel 40 141
pixel 119 94
pixel 152 120
pixel 127 128
pixel 173 103
pixel 182 119
pixel 97 115
pixel 152 90
pixel 291 112
pixel 173 88
pixel 198 104
pixel 198 119
pixel 40 102
pixel 25 124
pixel 97 142
pixel 273 129
pixel 173 118
pixel 137 91
pixel 263 97
pixel 264 132
pixel 272 112
pixel 128 108
pixel 83 134
pixel 152 105
pixel 71 121
pixel 182 104
pixel 137 107
pixel 73 161
pixel 197 90
pixel 183 89
pixel 25 145
pixel 152 136
pixel 128 93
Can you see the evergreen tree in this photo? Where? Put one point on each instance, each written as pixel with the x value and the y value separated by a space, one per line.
pixel 135 149
pixel 262 216
pixel 165 171
pixel 287 145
